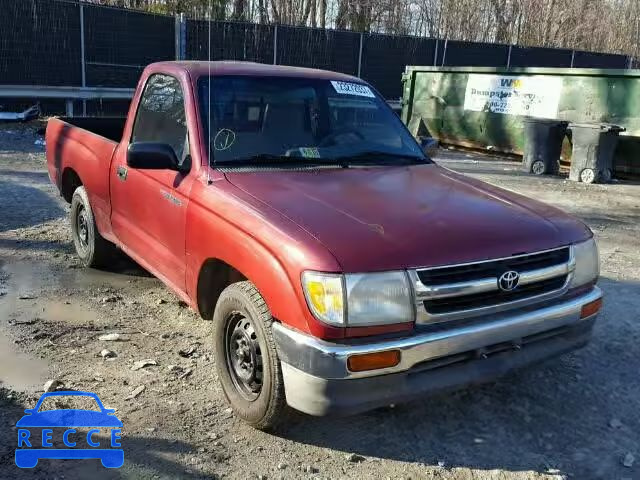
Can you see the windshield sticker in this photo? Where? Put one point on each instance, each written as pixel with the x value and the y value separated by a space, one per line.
pixel 224 139
pixel 347 88
pixel 309 152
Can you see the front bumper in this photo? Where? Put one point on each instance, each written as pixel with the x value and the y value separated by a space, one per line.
pixel 318 382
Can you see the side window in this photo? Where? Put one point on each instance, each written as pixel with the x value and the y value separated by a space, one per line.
pixel 161 115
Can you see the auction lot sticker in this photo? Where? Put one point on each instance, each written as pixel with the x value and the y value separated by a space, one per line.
pixel 530 95
pixel 348 88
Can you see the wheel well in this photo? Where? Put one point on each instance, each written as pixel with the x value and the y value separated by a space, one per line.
pixel 215 275
pixel 70 181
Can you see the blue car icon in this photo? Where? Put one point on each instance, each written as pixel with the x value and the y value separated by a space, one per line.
pixel 32 448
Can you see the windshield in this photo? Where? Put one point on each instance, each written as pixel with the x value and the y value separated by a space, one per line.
pixel 267 119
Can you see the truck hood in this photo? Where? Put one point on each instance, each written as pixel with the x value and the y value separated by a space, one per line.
pixel 385 218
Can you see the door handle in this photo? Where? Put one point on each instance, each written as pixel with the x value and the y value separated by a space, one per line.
pixel 121 171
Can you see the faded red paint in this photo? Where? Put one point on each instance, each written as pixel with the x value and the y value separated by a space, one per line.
pixel 271 226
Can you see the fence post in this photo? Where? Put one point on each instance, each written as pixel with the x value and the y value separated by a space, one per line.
pixel 360 55
pixel 629 62
pixel 275 44
pixel 180 34
pixel 573 54
pixel 177 31
pixel 183 37
pixel 444 52
pixel 435 55
pixel 82 63
pixel 509 57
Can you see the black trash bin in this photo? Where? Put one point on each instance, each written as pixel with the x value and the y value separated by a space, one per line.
pixel 593 148
pixel 542 144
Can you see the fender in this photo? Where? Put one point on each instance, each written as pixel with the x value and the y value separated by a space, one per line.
pixel 89 155
pixel 239 242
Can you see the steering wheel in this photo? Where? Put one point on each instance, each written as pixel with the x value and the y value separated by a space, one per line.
pixel 330 139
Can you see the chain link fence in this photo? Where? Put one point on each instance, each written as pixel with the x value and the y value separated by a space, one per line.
pixel 73 43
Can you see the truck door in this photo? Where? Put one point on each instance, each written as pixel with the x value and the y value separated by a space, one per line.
pixel 148 207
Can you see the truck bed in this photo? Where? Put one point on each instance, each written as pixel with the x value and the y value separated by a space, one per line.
pixel 108 127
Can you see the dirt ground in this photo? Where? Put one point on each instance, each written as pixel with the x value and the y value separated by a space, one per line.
pixel 573 417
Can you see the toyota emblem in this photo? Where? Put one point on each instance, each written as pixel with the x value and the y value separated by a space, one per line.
pixel 508 280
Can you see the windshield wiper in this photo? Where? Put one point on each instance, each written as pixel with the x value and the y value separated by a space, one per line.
pixel 267 159
pixel 375 157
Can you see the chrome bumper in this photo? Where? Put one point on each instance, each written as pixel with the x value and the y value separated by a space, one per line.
pixel 311 365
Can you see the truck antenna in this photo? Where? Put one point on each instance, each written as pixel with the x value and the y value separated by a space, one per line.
pixel 209 99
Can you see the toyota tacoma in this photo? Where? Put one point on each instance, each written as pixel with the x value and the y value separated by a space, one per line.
pixel 343 269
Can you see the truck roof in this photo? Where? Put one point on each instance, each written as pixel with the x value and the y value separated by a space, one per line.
pixel 201 68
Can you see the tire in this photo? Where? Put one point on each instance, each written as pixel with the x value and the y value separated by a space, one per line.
pixel 538 167
pixel 589 175
pixel 92 249
pixel 256 394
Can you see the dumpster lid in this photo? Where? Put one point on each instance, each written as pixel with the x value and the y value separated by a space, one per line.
pixel 605 127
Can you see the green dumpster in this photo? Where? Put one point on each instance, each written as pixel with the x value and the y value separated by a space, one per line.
pixel 484 108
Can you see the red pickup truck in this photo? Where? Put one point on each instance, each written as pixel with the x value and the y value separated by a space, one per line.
pixel 342 268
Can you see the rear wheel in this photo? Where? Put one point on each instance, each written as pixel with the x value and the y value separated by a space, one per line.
pixel 246 357
pixel 93 250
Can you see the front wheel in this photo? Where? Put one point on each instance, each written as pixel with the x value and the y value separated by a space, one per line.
pixel 246 357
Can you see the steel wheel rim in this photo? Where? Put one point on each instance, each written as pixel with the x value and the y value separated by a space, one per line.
pixel 587 175
pixel 82 228
pixel 538 167
pixel 243 356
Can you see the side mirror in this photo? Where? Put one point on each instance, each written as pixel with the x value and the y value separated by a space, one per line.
pixel 429 146
pixel 152 156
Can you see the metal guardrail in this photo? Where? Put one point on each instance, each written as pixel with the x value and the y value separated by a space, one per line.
pixel 69 94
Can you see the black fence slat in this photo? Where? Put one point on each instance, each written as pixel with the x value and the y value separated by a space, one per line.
pixel 229 41
pixel 385 57
pixel 120 43
pixel 317 48
pixel 582 59
pixel 472 54
pixel 540 57
pixel 40 43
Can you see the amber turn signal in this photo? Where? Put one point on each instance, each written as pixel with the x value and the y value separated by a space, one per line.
pixel 373 361
pixel 591 308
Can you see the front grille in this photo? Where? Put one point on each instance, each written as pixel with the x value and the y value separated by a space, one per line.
pixel 486 299
pixel 447 293
pixel 494 268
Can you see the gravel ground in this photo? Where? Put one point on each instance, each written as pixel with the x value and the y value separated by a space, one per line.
pixel 573 417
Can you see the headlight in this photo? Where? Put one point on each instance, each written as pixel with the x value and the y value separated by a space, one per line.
pixel 378 298
pixel 361 299
pixel 587 263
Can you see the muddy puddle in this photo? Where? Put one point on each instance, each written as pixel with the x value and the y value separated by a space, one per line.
pixel 34 294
